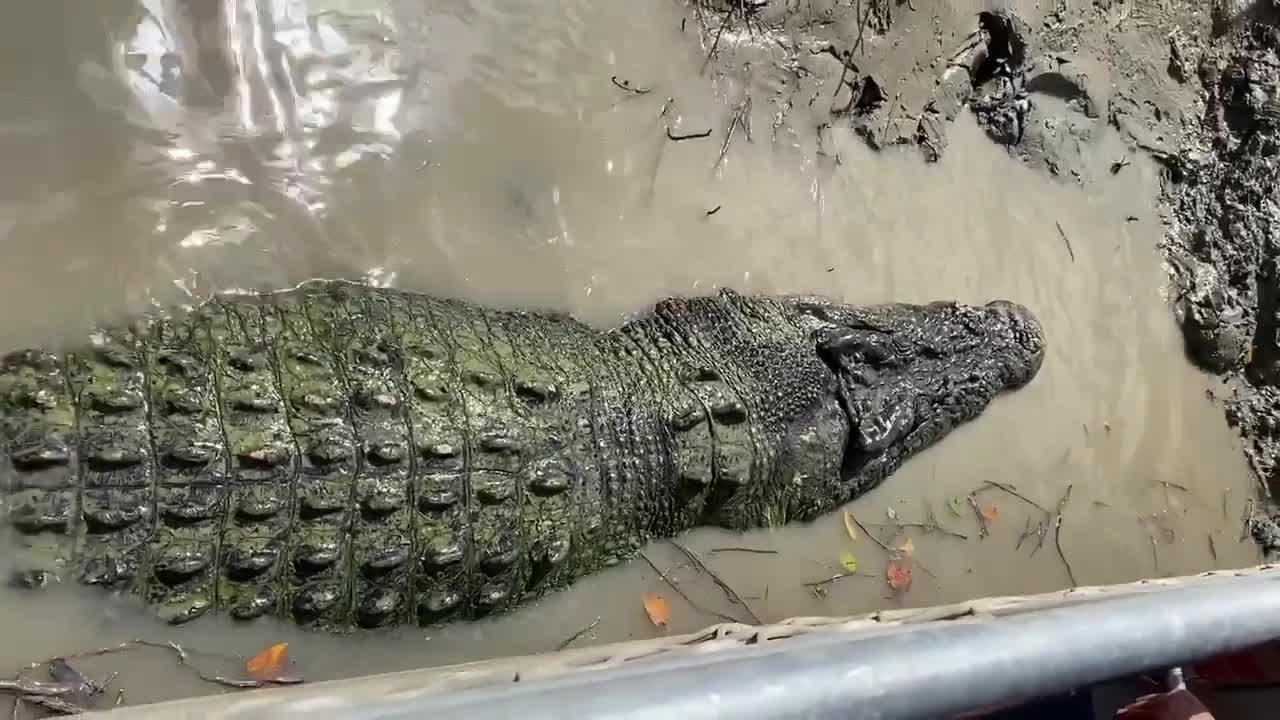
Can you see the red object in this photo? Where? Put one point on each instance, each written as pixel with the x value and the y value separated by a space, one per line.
pixel 1258 667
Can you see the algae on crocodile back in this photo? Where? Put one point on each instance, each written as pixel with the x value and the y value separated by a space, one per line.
pixel 354 456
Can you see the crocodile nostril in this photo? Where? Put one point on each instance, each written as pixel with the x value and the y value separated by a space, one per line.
pixel 1025 331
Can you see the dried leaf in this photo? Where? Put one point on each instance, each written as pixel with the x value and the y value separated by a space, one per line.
pixel 849 526
pixel 990 512
pixel 656 607
pixel 908 548
pixel 956 505
pixel 899 575
pixel 269 664
pixel 848 561
pixel 891 513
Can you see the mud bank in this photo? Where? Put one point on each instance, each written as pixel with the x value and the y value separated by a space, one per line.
pixel 1194 85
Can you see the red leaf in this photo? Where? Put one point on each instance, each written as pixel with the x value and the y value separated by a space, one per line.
pixel 990 513
pixel 899 575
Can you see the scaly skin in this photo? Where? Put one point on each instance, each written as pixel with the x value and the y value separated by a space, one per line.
pixel 350 456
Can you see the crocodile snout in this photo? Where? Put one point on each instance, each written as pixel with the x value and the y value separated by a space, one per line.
pixel 1026 335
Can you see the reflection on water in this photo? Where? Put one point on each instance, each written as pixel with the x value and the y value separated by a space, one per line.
pixel 161 150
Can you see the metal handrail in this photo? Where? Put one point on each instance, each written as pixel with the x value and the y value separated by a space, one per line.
pixel 934 669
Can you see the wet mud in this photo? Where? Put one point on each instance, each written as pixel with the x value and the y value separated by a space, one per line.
pixel 1195 87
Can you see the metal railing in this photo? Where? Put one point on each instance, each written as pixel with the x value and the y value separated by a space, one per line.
pixel 924 663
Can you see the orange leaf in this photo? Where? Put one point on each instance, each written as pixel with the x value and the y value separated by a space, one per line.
pixel 268 664
pixel 990 512
pixel 656 607
pixel 899 575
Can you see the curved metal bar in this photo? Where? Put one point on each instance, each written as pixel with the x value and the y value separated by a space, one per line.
pixel 933 670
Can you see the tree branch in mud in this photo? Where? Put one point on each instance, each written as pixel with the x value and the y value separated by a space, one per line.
pixel 732 594
pixel 1057 534
pixel 715 45
pixel 741 119
pixel 70 691
pixel 892 552
pixel 1065 240
pixel 993 485
pixel 569 640
pixel 977 512
pixel 929 526
pixel 838 576
pixel 757 551
pixel 674 586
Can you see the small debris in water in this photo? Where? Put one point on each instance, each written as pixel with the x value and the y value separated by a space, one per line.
pixel 1063 234
pixel 569 640
pixel 626 85
pixel 758 551
pixel 690 136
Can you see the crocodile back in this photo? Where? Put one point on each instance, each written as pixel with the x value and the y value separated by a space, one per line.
pixel 339 454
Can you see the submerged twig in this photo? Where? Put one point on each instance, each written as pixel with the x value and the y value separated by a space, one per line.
pixel 1066 240
pixel 715 45
pixel 569 640
pixel 1010 489
pixel 837 576
pixel 1213 549
pixel 741 119
pixel 1057 534
pixel 928 527
pixel 729 591
pixel 626 85
pixel 759 551
pixel 1027 532
pixel 977 512
pixel 893 553
pixel 690 136
pixel 867 532
pixel 672 584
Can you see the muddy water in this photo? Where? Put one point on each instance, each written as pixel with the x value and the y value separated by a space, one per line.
pixel 482 152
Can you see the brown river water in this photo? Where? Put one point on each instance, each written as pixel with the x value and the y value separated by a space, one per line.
pixel 478 149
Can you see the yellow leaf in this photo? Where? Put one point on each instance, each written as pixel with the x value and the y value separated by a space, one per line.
pixel 848 561
pixel 268 664
pixel 656 607
pixel 849 526
pixel 908 548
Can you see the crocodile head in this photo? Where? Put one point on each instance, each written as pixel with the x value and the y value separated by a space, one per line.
pixel 907 375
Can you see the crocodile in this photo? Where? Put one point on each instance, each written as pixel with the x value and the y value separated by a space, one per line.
pixel 348 456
